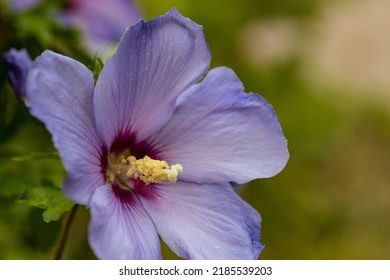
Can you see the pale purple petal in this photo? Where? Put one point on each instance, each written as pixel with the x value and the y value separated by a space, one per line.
pixel 205 221
pixel 155 61
pixel 18 65
pixel 22 5
pixel 220 134
pixel 102 20
pixel 120 227
pixel 59 93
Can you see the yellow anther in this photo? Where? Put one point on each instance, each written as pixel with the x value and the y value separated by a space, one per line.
pixel 151 171
pixel 129 172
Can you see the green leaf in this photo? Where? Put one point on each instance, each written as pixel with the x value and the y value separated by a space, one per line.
pixel 48 197
pixel 37 156
pixel 96 67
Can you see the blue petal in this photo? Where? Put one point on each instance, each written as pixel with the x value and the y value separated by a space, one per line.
pixel 59 93
pixel 120 227
pixel 155 62
pixel 220 134
pixel 205 221
pixel 22 5
pixel 103 20
pixel 18 65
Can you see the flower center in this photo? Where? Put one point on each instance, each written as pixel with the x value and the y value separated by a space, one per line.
pixel 147 170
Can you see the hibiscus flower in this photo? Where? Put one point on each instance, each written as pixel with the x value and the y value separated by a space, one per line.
pixel 152 152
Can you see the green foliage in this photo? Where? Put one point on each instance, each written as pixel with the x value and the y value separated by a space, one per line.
pixel 38 29
pixel 96 67
pixel 47 197
pixel 37 156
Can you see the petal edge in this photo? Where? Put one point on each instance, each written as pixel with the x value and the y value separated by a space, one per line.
pixel 218 133
pixel 137 90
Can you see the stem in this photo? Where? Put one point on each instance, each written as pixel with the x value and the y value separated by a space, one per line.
pixel 64 233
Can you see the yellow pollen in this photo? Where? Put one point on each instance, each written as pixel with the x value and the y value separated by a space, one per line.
pixel 150 170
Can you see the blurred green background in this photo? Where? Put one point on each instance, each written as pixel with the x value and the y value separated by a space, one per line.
pixel 325 68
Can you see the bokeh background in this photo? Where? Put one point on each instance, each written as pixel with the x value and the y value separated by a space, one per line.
pixel 325 68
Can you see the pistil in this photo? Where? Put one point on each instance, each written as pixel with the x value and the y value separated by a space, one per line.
pixel 148 170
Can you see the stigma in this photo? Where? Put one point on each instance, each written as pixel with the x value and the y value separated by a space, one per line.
pixel 149 170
